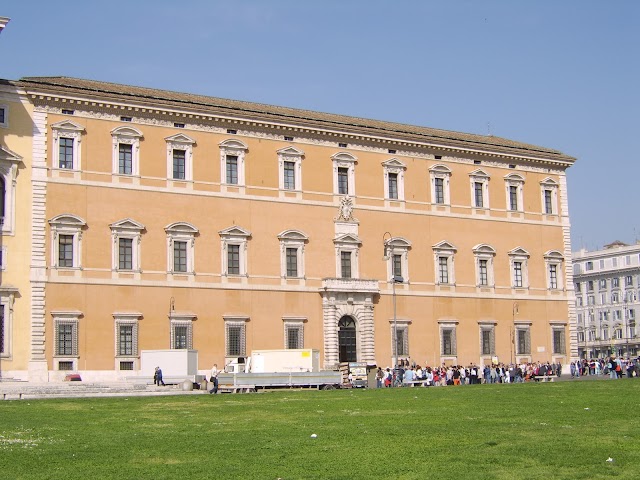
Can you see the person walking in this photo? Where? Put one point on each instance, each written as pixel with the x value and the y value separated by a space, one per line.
pixel 158 377
pixel 213 378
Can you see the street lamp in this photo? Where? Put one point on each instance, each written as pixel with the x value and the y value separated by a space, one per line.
pixel 394 279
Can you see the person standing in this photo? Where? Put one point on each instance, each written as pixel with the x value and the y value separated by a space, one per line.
pixel 158 377
pixel 213 378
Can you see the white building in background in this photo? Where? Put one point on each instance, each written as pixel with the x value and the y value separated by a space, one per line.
pixel 607 286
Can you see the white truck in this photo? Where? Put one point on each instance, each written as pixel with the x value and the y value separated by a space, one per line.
pixel 267 369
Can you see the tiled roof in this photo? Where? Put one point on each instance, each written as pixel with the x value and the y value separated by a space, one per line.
pixel 303 118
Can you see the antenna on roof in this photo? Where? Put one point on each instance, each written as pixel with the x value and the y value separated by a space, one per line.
pixel 489 129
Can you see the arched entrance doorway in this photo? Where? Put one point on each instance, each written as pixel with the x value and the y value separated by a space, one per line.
pixel 347 350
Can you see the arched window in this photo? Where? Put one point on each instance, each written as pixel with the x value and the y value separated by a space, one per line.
pixel 347 340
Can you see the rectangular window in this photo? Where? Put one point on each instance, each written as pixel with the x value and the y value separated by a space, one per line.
pixel 517 274
pixel 126 365
pixel 125 254
pixel 3 116
pixel 125 159
pixel 591 300
pixel 558 341
pixel 588 266
pixel 233 259
pixel 513 198
pixel 523 342
pixel 397 266
pixel 483 278
pixel 578 287
pixel 393 185
pixel 3 347
pixel 65 366
pixel 614 262
pixel 125 340
pixel 65 339
pixel 627 260
pixel 343 181
pixel 443 270
pixel 292 262
pixel 487 341
pixel 628 281
pixel 289 176
pixel 615 282
pixel 601 264
pixel 402 341
pixel 553 277
pixel 439 190
pixel 65 251
pixel 179 164
pixel 65 157
pixel 479 199
pixel 294 337
pixel 602 284
pixel 345 264
pixel 179 256
pixel 548 206
pixel 235 340
pixel 180 337
pixel 590 286
pixel 448 341
pixel 232 169
pixel 579 300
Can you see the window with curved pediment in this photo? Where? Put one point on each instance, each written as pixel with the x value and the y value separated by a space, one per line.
pixel 66 241
pixel 440 179
pixel 126 235
pixel 397 257
pixel 344 179
pixel 553 265
pixel 479 189
pixel 126 150
pixel 549 196
pixel 232 162
pixel 484 256
pixel 181 248
pixel 67 138
pixel 292 244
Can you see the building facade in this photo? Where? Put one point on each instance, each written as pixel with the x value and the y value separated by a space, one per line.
pixel 606 289
pixel 167 220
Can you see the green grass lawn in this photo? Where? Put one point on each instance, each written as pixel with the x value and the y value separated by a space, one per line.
pixel 534 431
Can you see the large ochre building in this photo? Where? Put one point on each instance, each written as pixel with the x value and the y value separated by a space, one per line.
pixel 163 220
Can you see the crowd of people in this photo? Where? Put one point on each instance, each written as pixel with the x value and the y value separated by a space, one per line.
pixel 408 373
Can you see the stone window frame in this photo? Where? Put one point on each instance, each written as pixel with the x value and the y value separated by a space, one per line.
pixel 66 317
pixel 7 300
pixel 296 323
pixel 479 176
pixel 490 326
pixel 181 319
pixel 522 326
pixel 74 131
pixel 514 180
pixel 130 319
pixel 290 154
pixel 292 239
pixel 348 161
pixel 397 246
pixel 183 232
pixel 549 184
pixel 555 258
pixel 519 254
pixel 347 243
pixel 9 162
pixel 238 149
pixel 483 251
pixel 126 135
pixel 394 166
pixel 441 171
pixel 180 141
pixel 130 229
pixel 558 327
pixel 402 326
pixel 235 321
pixel 67 224
pixel 448 250
pixel 5 109
pixel 448 325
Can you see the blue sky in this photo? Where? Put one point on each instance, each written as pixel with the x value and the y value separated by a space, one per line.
pixel 561 74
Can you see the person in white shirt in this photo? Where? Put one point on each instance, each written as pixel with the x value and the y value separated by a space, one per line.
pixel 213 377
